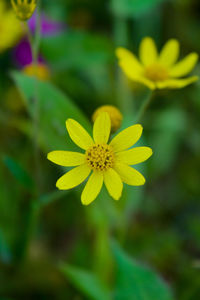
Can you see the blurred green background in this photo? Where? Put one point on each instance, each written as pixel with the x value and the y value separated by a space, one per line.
pixel 147 245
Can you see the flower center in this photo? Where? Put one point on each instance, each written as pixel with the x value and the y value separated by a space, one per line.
pixel 100 157
pixel 156 72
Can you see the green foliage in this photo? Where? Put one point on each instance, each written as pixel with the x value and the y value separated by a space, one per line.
pixel 136 281
pixel 46 199
pixel 77 49
pixel 5 253
pixel 86 282
pixel 18 172
pixel 85 54
pixel 169 128
pixel 159 223
pixel 133 8
pixel 54 109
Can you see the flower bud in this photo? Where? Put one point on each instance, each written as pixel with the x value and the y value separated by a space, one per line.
pixel 24 8
pixel 40 70
pixel 114 113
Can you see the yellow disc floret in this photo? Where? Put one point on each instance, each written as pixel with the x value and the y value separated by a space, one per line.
pixel 24 8
pixel 100 157
pixel 114 114
pixel 156 72
pixel 41 71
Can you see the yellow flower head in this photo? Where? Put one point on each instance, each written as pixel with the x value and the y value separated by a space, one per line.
pixel 24 8
pixel 114 114
pixel 10 28
pixel 158 71
pixel 41 71
pixel 106 162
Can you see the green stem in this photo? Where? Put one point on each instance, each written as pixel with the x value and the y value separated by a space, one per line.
pixel 124 95
pixel 35 53
pixel 32 216
pixel 120 31
pixel 30 226
pixel 35 43
pixel 144 106
pixel 101 250
pixel 102 253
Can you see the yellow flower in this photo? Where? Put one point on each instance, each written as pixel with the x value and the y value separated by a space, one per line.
pixel 41 71
pixel 108 162
pixel 24 8
pixel 158 71
pixel 10 28
pixel 114 114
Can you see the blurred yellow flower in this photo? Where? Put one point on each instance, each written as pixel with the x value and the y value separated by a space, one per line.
pixel 108 162
pixel 41 71
pixel 10 28
pixel 114 114
pixel 158 71
pixel 24 8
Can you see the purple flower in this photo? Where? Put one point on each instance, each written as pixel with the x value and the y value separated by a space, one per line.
pixel 22 52
pixel 48 27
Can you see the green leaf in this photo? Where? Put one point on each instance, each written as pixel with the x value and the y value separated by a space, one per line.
pixel 135 281
pixel 51 197
pixel 84 54
pixel 76 49
pixel 5 253
pixel 133 8
pixel 170 128
pixel 54 109
pixel 86 282
pixel 18 172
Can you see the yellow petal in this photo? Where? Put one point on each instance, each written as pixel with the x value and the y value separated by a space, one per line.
pixel 176 83
pixel 73 178
pixel 132 67
pixel 129 71
pixel 126 138
pixel 92 188
pixel 134 156
pixel 113 183
pixel 128 61
pixel 78 134
pixel 150 84
pixel 148 52
pixel 170 53
pixel 135 76
pixel 129 175
pixel 66 158
pixel 185 66
pixel 101 129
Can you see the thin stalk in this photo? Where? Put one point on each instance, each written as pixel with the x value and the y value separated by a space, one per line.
pixel 36 113
pixel 124 95
pixel 102 253
pixel 34 44
pixel 30 226
pixel 32 216
pixel 99 225
pixel 144 106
